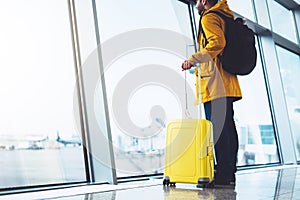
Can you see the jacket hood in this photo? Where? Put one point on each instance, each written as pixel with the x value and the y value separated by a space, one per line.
pixel 222 7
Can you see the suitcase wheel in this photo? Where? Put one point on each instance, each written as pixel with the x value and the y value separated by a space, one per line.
pixel 203 183
pixel 166 182
pixel 206 185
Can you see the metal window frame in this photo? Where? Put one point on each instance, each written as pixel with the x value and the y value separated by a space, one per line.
pixel 96 159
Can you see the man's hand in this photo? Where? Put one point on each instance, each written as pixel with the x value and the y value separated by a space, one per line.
pixel 187 65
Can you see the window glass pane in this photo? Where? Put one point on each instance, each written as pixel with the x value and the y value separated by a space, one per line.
pixel 282 21
pixel 290 72
pixel 243 8
pixel 40 141
pixel 127 17
pixel 253 121
pixel 143 47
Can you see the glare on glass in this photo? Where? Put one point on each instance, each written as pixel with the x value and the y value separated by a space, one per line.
pixel 290 72
pixel 40 140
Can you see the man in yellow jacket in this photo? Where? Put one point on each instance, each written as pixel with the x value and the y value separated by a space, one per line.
pixel 219 89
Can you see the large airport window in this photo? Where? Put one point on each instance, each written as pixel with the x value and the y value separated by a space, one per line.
pixel 290 72
pixel 40 139
pixel 282 21
pixel 254 122
pixel 143 47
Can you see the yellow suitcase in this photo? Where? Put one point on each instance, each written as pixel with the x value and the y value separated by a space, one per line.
pixel 189 156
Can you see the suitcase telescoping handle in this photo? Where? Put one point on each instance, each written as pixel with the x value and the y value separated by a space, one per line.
pixel 199 90
pixel 187 113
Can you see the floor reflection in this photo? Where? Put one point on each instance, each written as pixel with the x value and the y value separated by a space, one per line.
pixel 200 194
pixel 268 183
pixel 260 184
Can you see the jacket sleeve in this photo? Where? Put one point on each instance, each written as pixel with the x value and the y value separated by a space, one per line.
pixel 212 27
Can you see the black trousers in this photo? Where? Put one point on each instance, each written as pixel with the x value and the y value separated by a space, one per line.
pixel 220 113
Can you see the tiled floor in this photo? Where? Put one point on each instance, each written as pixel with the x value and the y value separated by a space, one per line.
pixel 266 183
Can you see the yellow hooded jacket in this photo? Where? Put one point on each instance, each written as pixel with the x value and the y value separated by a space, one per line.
pixel 215 82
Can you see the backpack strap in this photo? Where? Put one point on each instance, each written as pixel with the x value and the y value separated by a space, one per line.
pixel 224 17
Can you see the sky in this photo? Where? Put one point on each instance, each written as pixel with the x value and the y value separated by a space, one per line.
pixel 37 72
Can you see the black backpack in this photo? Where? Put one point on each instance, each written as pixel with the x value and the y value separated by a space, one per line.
pixel 239 55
